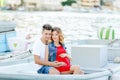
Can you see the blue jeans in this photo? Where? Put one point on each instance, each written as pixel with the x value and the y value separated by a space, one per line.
pixel 44 70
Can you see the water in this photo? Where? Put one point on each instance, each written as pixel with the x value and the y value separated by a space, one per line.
pixel 74 25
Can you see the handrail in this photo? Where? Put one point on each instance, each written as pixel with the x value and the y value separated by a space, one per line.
pixel 114 70
pixel 7 31
pixel 112 42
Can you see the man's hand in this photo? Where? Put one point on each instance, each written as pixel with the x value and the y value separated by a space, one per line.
pixel 61 63
pixel 58 64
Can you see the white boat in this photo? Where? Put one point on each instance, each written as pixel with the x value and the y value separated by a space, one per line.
pixel 9 48
pixel 107 69
pixel 11 56
pixel 95 54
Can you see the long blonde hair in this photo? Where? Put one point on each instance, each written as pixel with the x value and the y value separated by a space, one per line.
pixel 59 31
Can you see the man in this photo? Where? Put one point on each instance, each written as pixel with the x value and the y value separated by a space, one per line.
pixel 39 51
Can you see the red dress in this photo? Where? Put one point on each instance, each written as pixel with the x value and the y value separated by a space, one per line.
pixel 61 50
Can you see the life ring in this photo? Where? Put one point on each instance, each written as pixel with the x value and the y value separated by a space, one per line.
pixel 106 33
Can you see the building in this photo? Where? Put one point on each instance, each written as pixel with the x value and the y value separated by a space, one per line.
pixel 13 3
pixel 90 3
pixel 44 4
pixel 33 4
pixel 117 5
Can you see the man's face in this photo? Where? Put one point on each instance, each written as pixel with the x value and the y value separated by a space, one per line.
pixel 46 34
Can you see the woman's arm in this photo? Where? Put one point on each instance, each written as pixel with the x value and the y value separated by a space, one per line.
pixel 65 55
pixel 69 56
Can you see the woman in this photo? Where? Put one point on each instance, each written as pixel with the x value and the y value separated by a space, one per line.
pixel 58 53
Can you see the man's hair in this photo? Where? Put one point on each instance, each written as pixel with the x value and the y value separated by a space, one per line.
pixel 47 27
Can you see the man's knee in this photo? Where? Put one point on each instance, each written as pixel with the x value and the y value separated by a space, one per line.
pixel 53 71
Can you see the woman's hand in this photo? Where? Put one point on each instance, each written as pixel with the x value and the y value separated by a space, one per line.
pixel 63 55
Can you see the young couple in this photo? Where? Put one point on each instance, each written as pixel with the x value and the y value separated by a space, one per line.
pixel 50 53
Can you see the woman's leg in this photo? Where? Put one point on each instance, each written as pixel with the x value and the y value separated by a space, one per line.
pixel 53 70
pixel 74 69
pixel 66 72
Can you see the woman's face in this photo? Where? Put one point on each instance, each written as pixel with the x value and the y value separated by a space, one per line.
pixel 55 36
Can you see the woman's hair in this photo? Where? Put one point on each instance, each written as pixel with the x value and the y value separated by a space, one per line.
pixel 59 31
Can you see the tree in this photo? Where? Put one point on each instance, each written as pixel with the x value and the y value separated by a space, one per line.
pixel 68 2
pixel 101 2
pixel 22 2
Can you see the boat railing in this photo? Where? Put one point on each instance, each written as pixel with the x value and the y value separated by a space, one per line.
pixel 93 76
pixel 113 42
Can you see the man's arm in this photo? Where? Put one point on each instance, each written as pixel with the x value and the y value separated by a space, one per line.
pixel 46 53
pixel 47 63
